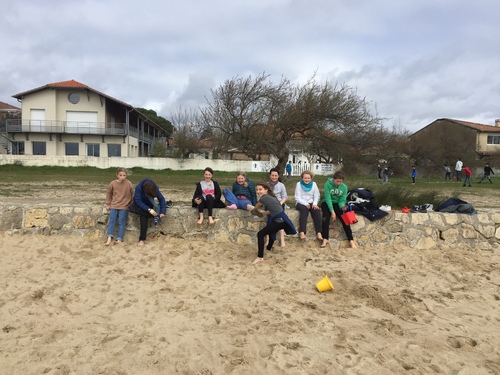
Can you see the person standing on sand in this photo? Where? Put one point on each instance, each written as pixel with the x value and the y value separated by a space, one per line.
pixel 145 205
pixel 277 219
pixel 279 190
pixel 207 195
pixel 119 196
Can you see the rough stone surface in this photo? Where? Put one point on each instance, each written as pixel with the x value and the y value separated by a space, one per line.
pixel 418 230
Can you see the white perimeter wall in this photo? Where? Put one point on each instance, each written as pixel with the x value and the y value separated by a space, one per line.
pixel 151 163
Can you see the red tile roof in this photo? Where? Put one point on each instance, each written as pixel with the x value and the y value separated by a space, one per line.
pixel 71 84
pixel 5 106
pixel 475 125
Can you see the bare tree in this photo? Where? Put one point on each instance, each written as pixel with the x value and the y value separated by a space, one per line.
pixel 255 114
pixel 188 132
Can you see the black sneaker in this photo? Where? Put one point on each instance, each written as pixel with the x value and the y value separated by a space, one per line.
pixel 415 208
pixel 169 204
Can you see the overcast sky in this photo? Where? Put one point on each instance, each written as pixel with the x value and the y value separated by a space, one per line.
pixel 414 60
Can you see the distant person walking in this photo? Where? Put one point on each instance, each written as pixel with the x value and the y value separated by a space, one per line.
pixel 487 172
pixel 288 169
pixel 379 172
pixel 413 174
pixel 447 172
pixel 468 174
pixel 458 169
pixel 387 171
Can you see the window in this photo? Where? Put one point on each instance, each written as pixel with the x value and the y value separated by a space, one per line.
pixel 74 97
pixel 39 148
pixel 71 149
pixel 114 150
pixel 93 149
pixel 17 148
pixel 494 139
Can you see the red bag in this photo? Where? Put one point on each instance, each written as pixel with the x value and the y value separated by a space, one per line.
pixel 349 217
pixel 405 210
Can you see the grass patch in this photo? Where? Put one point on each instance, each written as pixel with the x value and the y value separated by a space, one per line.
pixel 19 180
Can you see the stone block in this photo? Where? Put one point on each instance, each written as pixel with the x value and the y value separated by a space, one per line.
pixel 83 222
pixel 66 210
pixel 450 235
pixel 452 219
pixel 469 232
pixel 436 219
pixel 425 243
pixel 35 218
pixel 58 221
pixel 419 218
pixel 11 218
pixel 488 231
pixel 495 217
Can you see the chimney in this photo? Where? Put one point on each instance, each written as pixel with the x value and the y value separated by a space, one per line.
pixel 497 122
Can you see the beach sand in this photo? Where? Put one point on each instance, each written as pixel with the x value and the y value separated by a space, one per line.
pixel 74 306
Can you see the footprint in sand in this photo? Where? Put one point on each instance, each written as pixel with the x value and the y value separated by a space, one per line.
pixel 460 341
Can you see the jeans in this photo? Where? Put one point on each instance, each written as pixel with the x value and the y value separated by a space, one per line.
pixel 122 216
pixel 458 174
pixel 233 199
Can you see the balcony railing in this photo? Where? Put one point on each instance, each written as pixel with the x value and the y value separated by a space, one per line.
pixel 73 127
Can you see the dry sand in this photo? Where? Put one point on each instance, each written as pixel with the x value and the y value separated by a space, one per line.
pixel 73 306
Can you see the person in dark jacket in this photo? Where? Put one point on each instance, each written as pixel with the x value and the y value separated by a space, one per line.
pixel 207 195
pixel 487 172
pixel 145 206
pixel 243 195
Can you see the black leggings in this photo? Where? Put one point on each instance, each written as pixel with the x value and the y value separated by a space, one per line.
pixel 327 215
pixel 207 203
pixel 303 213
pixel 143 219
pixel 272 227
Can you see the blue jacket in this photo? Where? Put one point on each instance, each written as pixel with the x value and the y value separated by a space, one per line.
pixel 143 201
pixel 248 192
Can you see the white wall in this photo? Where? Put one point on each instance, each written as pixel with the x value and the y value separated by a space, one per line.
pixel 148 163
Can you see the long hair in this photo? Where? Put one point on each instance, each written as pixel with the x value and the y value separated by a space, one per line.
pixel 266 187
pixel 245 184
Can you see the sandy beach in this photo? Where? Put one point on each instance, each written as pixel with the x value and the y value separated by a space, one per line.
pixel 74 306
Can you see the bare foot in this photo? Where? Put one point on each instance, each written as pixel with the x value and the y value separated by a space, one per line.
pixel 200 221
pixel 353 244
pixel 211 220
pixel 319 236
pixel 117 242
pixel 325 243
pixel 141 243
pixel 258 260
pixel 108 242
pixel 283 244
pixel 302 235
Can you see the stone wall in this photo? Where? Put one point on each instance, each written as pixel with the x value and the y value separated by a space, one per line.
pixel 418 230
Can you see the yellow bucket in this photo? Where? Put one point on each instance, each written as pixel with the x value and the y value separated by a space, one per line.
pixel 324 284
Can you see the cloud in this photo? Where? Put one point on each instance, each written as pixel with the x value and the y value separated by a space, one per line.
pixel 415 61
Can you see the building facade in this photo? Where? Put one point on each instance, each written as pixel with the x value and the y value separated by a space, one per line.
pixel 72 119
